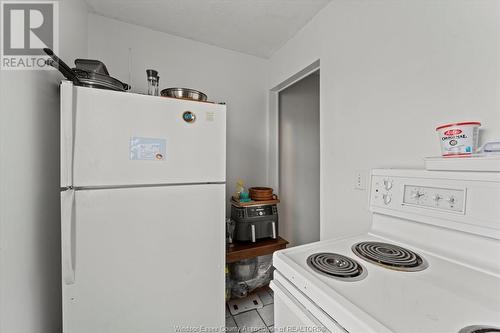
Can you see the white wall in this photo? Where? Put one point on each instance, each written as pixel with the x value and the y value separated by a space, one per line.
pixel 299 155
pixel 29 187
pixel 227 76
pixel 390 72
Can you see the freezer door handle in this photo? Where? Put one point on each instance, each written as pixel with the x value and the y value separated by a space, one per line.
pixel 67 226
pixel 66 133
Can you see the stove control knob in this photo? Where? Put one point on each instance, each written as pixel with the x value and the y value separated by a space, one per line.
pixel 387 198
pixel 387 184
pixel 451 200
pixel 436 197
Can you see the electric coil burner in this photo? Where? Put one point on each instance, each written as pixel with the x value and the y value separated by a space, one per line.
pixel 336 266
pixel 479 329
pixel 390 256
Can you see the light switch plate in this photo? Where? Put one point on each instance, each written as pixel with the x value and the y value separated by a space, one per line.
pixel 360 179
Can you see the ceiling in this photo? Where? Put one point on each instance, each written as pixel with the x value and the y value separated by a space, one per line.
pixel 256 27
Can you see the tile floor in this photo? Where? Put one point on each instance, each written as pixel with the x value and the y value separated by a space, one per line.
pixel 260 320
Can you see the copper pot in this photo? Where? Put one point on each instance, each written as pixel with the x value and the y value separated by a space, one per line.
pixel 261 193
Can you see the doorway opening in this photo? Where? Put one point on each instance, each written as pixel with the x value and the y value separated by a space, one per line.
pixel 298 145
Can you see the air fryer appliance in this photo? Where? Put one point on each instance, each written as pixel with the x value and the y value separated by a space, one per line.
pixel 255 222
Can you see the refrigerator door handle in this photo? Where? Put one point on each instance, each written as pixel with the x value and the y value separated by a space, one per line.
pixel 67 222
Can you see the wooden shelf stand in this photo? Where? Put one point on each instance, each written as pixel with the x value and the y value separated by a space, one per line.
pixel 239 251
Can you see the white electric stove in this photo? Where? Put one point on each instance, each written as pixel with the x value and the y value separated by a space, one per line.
pixel 430 262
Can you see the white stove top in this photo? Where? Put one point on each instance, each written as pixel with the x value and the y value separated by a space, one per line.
pixel 444 297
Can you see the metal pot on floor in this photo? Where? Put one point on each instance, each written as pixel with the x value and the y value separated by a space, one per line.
pixel 244 270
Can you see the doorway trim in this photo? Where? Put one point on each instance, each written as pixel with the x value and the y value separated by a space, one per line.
pixel 273 165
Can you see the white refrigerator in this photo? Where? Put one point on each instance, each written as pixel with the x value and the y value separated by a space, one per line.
pixel 142 212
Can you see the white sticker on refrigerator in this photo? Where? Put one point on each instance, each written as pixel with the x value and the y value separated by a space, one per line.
pixel 147 149
pixel 210 116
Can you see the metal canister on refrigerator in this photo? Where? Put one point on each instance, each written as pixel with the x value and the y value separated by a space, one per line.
pixel 153 82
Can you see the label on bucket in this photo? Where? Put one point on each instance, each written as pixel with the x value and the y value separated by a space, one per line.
pixel 458 140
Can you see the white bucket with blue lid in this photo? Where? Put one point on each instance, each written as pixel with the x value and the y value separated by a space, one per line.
pixel 459 139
